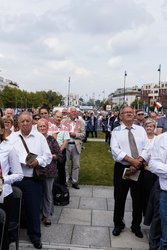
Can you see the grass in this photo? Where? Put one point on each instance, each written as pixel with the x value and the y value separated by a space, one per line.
pixel 100 135
pixel 96 164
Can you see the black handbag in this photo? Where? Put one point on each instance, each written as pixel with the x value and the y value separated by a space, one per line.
pixel 39 172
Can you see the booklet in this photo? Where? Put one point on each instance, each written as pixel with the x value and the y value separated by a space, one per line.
pixel 127 175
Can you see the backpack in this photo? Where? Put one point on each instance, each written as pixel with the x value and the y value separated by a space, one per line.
pixel 61 196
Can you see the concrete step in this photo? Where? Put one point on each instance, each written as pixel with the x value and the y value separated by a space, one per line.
pixel 23 245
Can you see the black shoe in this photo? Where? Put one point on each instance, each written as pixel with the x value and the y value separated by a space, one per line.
pixel 47 222
pixel 75 185
pixel 37 244
pixel 137 232
pixel 117 230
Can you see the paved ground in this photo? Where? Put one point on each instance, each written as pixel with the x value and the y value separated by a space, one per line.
pixel 96 139
pixel 87 223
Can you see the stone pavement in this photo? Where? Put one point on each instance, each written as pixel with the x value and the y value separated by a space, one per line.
pixel 96 139
pixel 87 223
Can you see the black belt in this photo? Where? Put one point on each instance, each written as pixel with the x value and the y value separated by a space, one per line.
pixel 71 143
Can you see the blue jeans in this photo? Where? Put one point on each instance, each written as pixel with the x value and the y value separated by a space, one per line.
pixel 163 216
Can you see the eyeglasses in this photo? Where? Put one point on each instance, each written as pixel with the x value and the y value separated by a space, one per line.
pixel 140 114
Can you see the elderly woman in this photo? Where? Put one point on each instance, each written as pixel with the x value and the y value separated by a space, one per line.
pixel 150 126
pixel 149 178
pixel 9 163
pixel 8 126
pixel 151 193
pixel 51 171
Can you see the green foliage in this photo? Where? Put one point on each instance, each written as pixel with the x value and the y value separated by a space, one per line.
pixel 16 98
pixel 138 104
pixel 99 103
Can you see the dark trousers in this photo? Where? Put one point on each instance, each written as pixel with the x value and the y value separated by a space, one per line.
pixel 6 206
pixel 121 188
pixel 32 198
pixel 61 169
pixel 108 137
pixel 155 227
pixel 94 131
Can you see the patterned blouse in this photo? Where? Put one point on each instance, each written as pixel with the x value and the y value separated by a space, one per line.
pixel 51 169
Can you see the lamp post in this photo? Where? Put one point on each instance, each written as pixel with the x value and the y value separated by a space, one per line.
pixel 125 75
pixel 68 103
pixel 159 81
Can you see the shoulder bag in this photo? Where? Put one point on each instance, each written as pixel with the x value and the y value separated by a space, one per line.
pixel 38 171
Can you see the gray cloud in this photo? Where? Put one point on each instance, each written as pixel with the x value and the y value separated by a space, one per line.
pixel 107 16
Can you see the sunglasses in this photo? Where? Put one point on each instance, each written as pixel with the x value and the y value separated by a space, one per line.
pixel 36 118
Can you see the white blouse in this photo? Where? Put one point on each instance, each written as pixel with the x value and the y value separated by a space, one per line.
pixel 9 161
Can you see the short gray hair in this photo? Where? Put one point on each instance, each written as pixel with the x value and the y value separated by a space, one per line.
pixel 25 113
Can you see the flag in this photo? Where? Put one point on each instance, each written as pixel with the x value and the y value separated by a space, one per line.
pixel 158 105
pixel 159 69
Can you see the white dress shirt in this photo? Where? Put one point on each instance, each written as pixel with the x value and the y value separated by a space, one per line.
pixel 120 142
pixel 158 161
pixel 37 144
pixel 9 161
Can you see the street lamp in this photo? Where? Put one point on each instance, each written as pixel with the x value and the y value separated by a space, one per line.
pixel 125 75
pixel 68 103
pixel 159 70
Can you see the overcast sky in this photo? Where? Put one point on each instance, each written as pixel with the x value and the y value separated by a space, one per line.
pixel 43 42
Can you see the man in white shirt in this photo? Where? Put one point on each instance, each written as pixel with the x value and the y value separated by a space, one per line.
pixel 158 166
pixel 31 188
pixel 122 151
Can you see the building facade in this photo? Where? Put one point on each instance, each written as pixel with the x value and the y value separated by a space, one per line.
pixel 72 100
pixel 151 92
pixel 120 97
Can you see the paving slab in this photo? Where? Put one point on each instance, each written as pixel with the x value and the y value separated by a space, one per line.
pixel 84 191
pixel 93 203
pixel 75 216
pixel 110 205
pixel 74 202
pixel 91 236
pixel 105 192
pixel 129 240
pixel 56 214
pixel 57 233
pixel 102 218
pixel 96 139
pixel 23 235
pixel 87 223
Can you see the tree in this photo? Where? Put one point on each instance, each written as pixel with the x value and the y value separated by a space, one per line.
pixel 16 98
pixel 137 104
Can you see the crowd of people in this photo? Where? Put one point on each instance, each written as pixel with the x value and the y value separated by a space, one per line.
pixel 138 145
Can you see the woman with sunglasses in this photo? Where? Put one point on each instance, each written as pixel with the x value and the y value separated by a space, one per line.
pixel 36 118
